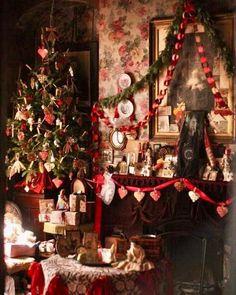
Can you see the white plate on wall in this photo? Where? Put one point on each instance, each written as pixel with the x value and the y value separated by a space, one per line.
pixel 124 81
pixel 125 108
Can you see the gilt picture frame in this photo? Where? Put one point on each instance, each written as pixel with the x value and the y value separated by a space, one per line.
pixel 188 69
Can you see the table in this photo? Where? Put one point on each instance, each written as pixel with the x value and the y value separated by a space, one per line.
pixel 80 278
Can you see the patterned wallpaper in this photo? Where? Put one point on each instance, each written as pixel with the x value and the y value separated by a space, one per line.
pixel 123 30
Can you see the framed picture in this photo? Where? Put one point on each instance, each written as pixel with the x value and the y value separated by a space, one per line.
pixel 189 85
pixel 84 63
pixel 107 156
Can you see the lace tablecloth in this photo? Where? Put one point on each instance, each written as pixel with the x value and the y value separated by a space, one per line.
pixel 79 278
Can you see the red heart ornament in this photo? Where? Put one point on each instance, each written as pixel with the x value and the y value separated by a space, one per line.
pixel 139 196
pixel 155 195
pixel 122 192
pixel 43 52
pixel 179 186
pixel 43 155
pixel 222 211
pixel 58 182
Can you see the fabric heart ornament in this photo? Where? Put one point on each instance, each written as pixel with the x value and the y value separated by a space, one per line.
pixel 155 195
pixel 43 52
pixel 193 196
pixel 43 155
pixel 222 211
pixel 58 182
pixel 122 192
pixel 179 186
pixel 139 196
pixel 49 166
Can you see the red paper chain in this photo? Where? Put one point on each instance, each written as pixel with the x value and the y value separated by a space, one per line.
pixel 221 107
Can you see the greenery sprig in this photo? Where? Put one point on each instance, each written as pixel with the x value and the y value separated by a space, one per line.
pixel 164 58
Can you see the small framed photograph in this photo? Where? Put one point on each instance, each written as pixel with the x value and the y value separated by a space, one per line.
pixel 107 156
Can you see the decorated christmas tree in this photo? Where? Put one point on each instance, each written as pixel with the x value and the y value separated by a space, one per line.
pixel 47 136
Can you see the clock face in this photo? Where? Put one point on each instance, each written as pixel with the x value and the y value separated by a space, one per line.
pixel 117 139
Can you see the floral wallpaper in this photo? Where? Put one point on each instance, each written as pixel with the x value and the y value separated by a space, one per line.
pixel 123 30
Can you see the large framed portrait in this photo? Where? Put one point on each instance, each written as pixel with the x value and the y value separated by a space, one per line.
pixel 189 87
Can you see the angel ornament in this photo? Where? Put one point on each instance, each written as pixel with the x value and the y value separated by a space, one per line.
pixel 17 167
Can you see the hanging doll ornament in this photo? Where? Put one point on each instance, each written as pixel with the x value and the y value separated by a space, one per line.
pixel 17 167
pixel 108 189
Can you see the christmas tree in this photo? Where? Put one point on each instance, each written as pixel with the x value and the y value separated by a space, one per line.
pixel 47 135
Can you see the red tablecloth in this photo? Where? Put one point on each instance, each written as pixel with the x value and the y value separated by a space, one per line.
pixel 74 279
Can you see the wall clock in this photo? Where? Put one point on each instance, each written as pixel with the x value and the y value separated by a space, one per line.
pixel 117 139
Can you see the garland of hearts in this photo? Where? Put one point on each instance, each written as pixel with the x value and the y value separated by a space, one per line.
pixel 180 184
pixel 221 107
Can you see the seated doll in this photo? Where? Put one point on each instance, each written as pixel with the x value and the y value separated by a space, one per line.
pixel 62 202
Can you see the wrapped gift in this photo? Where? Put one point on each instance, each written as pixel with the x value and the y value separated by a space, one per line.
pixel 44 217
pixel 77 202
pixel 58 216
pixel 18 250
pixel 46 206
pixel 72 218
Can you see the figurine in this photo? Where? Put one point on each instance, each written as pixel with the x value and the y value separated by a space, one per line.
pixel 226 164
pixel 62 202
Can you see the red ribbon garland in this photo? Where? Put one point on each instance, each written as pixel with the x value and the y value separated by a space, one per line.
pixel 187 184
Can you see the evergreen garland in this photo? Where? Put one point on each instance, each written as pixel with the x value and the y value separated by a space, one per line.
pixel 165 56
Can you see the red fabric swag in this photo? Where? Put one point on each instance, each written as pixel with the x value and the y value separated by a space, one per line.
pixel 57 287
pixel 35 272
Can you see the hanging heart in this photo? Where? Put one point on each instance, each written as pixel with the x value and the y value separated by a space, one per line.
pixel 49 166
pixel 193 196
pixel 58 182
pixel 122 192
pixel 43 52
pixel 139 196
pixel 179 186
pixel 43 155
pixel 222 211
pixel 155 195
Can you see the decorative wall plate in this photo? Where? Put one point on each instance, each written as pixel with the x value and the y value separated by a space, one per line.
pixel 117 139
pixel 124 81
pixel 125 108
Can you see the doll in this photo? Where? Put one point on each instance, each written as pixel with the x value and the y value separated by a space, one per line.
pixel 62 202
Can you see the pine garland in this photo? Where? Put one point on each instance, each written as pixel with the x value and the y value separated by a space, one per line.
pixel 165 56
